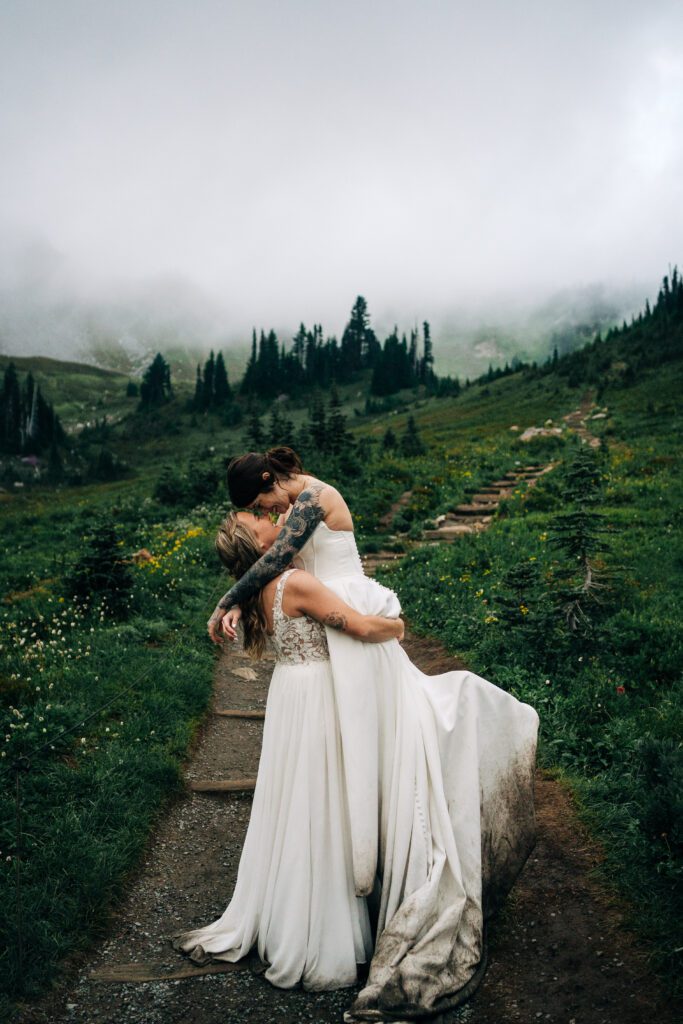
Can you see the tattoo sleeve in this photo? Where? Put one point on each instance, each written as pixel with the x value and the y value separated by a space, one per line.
pixel 335 620
pixel 305 515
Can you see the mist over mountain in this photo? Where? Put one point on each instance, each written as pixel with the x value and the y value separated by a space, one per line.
pixel 45 310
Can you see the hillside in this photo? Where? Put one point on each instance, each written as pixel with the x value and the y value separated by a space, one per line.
pixel 604 679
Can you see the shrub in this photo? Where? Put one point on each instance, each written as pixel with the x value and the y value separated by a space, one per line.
pixel 100 572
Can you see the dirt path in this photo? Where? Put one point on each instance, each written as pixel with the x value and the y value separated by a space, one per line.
pixel 559 952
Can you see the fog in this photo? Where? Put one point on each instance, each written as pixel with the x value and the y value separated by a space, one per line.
pixel 183 171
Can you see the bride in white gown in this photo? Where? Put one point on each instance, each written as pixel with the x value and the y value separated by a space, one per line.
pixel 437 770
pixel 294 896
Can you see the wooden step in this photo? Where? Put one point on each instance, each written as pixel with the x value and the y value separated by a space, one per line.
pixel 142 972
pixel 507 485
pixel 449 532
pixel 483 499
pixel 474 510
pixel 260 713
pixel 222 785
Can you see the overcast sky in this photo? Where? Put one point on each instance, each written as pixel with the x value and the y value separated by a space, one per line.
pixel 284 156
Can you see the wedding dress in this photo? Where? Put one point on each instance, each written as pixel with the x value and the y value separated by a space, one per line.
pixel 380 791
pixel 438 774
pixel 294 896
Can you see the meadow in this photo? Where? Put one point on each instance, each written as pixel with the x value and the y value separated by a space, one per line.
pixel 89 623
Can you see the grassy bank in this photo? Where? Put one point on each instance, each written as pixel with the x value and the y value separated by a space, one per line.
pixel 89 799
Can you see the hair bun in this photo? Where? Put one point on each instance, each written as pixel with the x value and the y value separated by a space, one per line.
pixel 283 460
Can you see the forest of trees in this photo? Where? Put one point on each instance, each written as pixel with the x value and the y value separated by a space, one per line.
pixel 314 360
pixel 28 423
pixel 212 387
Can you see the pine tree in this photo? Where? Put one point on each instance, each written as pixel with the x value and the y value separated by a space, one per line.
pixel 55 466
pixel 248 385
pixel 156 383
pixel 339 438
pixel 255 435
pixel 11 410
pixel 208 390
pixel 198 400
pixel 318 425
pixel 275 426
pixel 221 387
pixel 359 346
pixel 101 572
pixel 427 375
pixel 411 442
pixel 389 441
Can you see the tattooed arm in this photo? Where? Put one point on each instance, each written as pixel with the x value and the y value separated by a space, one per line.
pixel 306 594
pixel 305 515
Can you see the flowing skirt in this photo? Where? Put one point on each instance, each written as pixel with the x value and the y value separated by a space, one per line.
pixel 439 778
pixel 294 896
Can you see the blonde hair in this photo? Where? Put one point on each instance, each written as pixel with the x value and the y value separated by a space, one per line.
pixel 238 549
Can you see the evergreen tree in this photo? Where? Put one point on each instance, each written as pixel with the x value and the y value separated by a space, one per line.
pixel 255 435
pixel 11 411
pixel 132 389
pixel 156 383
pixel 318 425
pixel 339 438
pixel 248 385
pixel 208 388
pixel 427 375
pixel 359 346
pixel 411 442
pixel 275 426
pixel 222 391
pixel 389 441
pixel 55 466
pixel 100 571
pixel 198 401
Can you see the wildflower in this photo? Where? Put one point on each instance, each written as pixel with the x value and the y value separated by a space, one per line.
pixel 620 689
pixel 523 609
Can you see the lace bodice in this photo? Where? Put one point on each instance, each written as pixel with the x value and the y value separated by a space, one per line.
pixel 296 640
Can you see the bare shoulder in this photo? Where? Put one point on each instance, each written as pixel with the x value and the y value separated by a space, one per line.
pixel 300 583
pixel 336 510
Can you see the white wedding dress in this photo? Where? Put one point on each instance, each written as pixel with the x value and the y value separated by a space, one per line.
pixel 383 794
pixel 294 896
pixel 439 782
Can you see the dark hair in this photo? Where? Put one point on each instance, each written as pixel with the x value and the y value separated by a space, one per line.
pixel 246 477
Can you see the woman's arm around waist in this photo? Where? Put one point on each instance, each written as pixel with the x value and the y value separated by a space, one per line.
pixel 306 595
